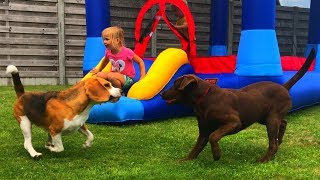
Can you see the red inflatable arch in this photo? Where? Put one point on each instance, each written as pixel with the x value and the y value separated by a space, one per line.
pixel 141 43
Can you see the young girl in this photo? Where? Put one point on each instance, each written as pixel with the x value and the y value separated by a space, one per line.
pixel 181 23
pixel 121 58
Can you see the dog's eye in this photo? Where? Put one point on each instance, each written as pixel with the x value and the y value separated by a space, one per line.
pixel 107 85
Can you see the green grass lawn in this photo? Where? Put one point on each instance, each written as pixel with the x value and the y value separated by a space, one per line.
pixel 152 150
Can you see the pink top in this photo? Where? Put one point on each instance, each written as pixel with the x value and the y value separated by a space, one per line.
pixel 122 62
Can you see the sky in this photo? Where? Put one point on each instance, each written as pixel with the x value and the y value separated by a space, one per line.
pixel 299 3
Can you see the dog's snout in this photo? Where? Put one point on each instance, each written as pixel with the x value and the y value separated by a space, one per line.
pixel 115 92
pixel 119 91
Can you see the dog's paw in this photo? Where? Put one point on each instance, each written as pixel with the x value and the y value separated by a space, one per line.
pixel 261 161
pixel 55 149
pixel 48 145
pixel 216 157
pixel 264 159
pixel 86 145
pixel 37 156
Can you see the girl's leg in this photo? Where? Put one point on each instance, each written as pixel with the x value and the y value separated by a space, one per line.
pixel 116 79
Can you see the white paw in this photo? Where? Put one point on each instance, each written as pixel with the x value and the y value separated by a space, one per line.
pixel 37 156
pixel 87 145
pixel 55 149
pixel 48 145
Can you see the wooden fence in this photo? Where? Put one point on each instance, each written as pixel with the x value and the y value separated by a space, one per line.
pixel 46 38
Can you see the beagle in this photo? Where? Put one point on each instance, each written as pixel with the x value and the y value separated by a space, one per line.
pixel 59 112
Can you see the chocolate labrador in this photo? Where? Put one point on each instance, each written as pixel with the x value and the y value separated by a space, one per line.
pixel 222 112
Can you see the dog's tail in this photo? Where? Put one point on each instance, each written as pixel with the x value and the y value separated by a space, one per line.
pixel 18 86
pixel 301 71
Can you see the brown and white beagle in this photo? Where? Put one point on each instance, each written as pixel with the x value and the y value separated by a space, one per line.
pixel 59 112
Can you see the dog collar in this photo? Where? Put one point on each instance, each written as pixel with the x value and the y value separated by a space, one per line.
pixel 202 97
pixel 171 101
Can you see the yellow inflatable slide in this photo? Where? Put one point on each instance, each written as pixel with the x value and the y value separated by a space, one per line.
pixel 159 74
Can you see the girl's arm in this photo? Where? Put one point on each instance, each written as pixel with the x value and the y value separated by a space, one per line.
pixel 182 26
pixel 104 63
pixel 138 60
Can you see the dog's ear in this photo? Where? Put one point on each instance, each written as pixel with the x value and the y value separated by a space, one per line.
pixel 96 89
pixel 187 80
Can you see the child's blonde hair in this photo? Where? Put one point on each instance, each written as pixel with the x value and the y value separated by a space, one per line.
pixel 114 33
pixel 185 1
pixel 175 8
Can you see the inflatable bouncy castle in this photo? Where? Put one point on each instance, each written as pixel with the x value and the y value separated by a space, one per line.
pixel 254 62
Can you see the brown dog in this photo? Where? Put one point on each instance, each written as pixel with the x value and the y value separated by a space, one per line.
pixel 59 112
pixel 222 112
